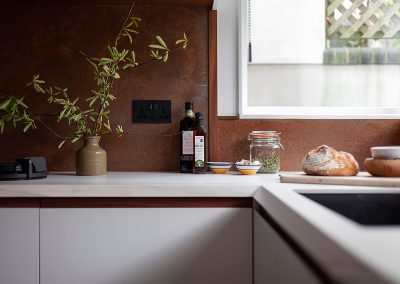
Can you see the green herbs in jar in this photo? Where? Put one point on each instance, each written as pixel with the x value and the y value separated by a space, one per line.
pixel 270 164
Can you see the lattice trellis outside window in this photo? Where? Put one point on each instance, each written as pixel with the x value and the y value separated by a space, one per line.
pixel 362 32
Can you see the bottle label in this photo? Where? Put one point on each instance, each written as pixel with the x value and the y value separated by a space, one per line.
pixel 187 142
pixel 199 151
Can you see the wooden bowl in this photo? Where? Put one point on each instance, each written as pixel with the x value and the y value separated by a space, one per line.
pixel 382 168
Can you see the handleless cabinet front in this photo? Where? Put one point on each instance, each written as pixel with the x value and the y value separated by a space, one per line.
pixel 146 245
pixel 19 245
pixel 274 260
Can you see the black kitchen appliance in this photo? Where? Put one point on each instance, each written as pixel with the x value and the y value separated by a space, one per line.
pixel 26 168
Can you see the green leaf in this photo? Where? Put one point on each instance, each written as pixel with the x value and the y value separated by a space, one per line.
pixel 93 64
pixel 111 97
pixel 61 144
pixel 4 104
pixel 107 125
pixel 92 101
pixel 160 40
pixel 129 65
pixel 179 41
pixel 27 127
pixel 165 57
pixel 87 111
pixel 105 59
pixel 1 126
pixel 61 115
pixel 155 54
pixel 116 75
pixel 83 54
pixel 156 46
pixel 75 139
pixel 129 24
pixel 38 88
pixel 21 103
pixel 106 69
pixel 123 54
pixel 136 21
pixel 119 130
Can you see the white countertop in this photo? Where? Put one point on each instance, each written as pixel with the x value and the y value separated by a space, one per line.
pixel 337 243
pixel 138 184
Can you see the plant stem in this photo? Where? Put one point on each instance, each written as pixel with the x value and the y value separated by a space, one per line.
pixel 37 117
pixel 73 48
pixel 50 129
pixel 123 25
pixel 108 83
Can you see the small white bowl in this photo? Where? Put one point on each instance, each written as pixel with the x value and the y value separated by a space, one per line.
pixel 219 167
pixel 386 152
pixel 248 169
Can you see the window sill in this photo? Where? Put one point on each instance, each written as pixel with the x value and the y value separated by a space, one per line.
pixel 320 113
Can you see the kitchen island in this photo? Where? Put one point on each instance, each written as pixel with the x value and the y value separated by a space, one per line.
pixel 183 228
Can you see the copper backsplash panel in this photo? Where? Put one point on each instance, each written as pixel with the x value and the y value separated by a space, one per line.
pixel 300 136
pixel 29 44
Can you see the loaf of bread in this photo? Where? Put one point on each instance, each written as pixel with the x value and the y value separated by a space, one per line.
pixel 326 161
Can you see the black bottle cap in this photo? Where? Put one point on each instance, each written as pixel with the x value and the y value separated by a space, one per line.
pixel 188 105
pixel 199 116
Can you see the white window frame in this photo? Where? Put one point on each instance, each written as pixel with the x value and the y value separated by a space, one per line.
pixel 253 112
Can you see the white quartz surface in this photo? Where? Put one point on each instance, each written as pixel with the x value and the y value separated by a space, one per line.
pixel 340 245
pixel 137 184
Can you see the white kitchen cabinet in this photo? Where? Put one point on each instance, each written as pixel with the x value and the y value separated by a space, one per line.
pixel 19 245
pixel 146 245
pixel 274 259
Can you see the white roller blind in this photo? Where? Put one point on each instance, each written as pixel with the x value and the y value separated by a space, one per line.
pixel 290 31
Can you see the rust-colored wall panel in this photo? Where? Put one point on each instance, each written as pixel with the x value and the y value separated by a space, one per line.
pixel 29 44
pixel 300 136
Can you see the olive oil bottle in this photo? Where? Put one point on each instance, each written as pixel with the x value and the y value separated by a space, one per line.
pixel 186 144
pixel 199 142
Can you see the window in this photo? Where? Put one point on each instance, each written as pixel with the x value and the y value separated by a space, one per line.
pixel 283 48
pixel 362 32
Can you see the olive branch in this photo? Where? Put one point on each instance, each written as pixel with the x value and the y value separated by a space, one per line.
pixel 93 120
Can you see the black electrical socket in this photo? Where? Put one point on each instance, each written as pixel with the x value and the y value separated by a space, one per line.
pixel 151 111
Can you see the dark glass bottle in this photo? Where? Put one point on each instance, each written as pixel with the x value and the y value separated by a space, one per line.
pixel 186 148
pixel 200 144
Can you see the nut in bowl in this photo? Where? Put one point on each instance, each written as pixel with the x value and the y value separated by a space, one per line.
pixel 247 167
pixel 219 167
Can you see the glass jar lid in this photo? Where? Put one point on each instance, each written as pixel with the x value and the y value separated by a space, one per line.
pixel 268 136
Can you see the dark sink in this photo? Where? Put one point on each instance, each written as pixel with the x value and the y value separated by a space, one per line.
pixel 364 208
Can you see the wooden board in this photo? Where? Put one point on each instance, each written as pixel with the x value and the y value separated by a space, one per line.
pixel 362 179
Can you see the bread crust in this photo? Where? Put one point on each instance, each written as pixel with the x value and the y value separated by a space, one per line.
pixel 326 161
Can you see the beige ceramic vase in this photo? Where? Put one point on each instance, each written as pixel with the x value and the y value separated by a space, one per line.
pixel 91 159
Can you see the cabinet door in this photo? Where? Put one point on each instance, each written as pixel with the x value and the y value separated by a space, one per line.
pixel 19 245
pixel 274 260
pixel 146 246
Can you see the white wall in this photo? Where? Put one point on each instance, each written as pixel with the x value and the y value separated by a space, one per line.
pixel 227 13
